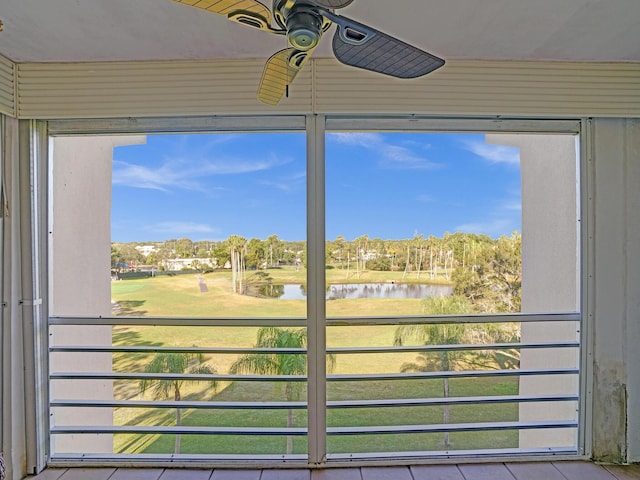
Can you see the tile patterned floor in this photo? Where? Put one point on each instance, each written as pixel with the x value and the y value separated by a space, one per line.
pixel 491 471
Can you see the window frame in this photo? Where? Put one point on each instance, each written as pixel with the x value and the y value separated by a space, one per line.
pixel 315 127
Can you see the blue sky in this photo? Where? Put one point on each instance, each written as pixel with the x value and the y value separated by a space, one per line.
pixel 387 185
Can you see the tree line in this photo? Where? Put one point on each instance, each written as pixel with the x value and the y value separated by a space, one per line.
pixel 256 253
pixel 484 270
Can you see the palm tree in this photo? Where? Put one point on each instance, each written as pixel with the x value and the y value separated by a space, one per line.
pixel 362 245
pixel 437 334
pixel 279 363
pixel 505 359
pixel 339 244
pixel 444 362
pixel 177 363
pixel 452 334
pixel 418 243
pixel 238 247
pixel 273 242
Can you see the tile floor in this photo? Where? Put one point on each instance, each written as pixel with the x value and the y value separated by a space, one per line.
pixel 491 471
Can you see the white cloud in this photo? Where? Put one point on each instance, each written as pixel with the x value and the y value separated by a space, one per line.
pixel 181 229
pixel 185 174
pixel 389 155
pixel 504 217
pixel 291 183
pixel 514 206
pixel 357 139
pixel 494 153
pixel 161 178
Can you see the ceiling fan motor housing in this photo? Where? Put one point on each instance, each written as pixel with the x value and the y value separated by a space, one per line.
pixel 304 27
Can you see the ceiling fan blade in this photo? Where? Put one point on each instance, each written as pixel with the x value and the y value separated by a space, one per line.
pixel 279 72
pixel 333 3
pixel 364 47
pixel 246 12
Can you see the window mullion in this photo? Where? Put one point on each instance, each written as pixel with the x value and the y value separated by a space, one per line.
pixel 316 310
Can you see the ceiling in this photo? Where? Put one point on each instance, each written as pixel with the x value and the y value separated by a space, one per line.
pixel 110 30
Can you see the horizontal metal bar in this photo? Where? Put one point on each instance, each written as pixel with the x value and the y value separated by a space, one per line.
pixel 176 376
pixel 297 351
pixel 150 350
pixel 351 460
pixel 444 124
pixel 453 427
pixel 412 402
pixel 124 460
pixel 335 458
pixel 217 124
pixel 301 322
pixel 181 404
pixel 181 430
pixel 300 378
pixel 455 319
pixel 460 374
pixel 446 348
pixel 127 460
pixel 179 321
pixel 418 402
pixel 331 431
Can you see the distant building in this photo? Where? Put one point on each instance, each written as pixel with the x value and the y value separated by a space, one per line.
pixel 177 264
pixel 146 249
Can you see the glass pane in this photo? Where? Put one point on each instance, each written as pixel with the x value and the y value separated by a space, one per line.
pixel 206 226
pixel 414 217
pixel 209 225
pixel 426 225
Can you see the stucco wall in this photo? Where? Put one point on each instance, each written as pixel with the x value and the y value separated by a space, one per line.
pixel 81 281
pixel 550 266
pixel 616 315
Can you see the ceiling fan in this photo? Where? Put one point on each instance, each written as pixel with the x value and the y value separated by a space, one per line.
pixel 304 22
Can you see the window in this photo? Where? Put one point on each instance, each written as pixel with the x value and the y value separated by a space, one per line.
pixel 437 226
pixel 435 311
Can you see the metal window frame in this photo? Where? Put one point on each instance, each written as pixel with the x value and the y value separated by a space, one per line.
pixel 585 177
pixel 27 280
pixel 186 125
pixel 2 279
pixel 586 235
pixel 315 127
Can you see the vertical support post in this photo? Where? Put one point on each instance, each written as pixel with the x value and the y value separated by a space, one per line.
pixel 316 308
pixel 32 150
pixel 2 192
pixel 632 138
pixel 587 231
pixel 12 362
pixel 36 352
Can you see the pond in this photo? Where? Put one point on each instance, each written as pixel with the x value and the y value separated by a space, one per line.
pixel 359 290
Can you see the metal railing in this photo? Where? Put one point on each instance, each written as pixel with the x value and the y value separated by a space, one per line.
pixel 405 425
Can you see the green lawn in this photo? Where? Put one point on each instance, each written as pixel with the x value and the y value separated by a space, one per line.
pixel 244 391
pixel 181 296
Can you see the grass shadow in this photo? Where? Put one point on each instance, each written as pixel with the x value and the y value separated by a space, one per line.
pixel 128 362
pixel 130 308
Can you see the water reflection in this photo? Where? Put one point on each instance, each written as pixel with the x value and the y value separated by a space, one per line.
pixel 359 290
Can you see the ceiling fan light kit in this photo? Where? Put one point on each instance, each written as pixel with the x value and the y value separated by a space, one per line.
pixel 304 22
